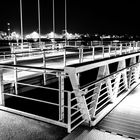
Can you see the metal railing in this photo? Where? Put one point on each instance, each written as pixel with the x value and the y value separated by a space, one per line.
pixel 61 92
pixel 92 101
pixel 81 53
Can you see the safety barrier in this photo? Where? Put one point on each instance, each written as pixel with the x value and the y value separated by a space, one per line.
pixel 92 51
pixel 80 93
pixel 99 86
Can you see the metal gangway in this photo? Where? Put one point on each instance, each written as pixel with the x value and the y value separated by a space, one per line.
pixel 82 92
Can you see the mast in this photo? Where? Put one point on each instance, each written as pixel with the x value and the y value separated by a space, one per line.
pixel 65 16
pixel 39 22
pixel 21 22
pixel 53 21
pixel 65 33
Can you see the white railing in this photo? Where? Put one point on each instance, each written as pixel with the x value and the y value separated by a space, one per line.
pixel 74 103
pixel 92 51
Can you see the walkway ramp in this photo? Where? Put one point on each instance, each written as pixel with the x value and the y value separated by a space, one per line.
pixel 125 118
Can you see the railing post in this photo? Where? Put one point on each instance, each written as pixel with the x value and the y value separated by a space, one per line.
pixel 93 53
pixel 15 75
pixel 103 51
pixel 1 88
pixel 115 50
pixel 61 97
pixel 133 47
pixel 64 56
pixel 121 49
pixel 80 54
pixel 129 47
pixel 4 55
pixel 44 65
pixel 109 50
pixel 69 112
pixel 30 49
pixel 136 46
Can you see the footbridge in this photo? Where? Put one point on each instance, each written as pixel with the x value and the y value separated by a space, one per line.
pixel 79 86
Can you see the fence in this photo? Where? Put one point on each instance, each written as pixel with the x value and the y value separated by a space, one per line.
pixel 79 93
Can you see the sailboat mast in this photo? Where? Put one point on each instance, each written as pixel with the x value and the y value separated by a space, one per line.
pixel 53 20
pixel 39 30
pixel 21 22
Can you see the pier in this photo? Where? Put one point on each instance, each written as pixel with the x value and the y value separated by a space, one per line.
pixel 72 86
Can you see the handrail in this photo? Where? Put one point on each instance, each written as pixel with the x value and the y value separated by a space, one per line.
pixel 102 79
pixel 31 67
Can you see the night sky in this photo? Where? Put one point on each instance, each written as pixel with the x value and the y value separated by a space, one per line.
pixel 83 16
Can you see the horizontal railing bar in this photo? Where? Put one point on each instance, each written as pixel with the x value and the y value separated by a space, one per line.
pixel 114 82
pixel 114 87
pixel 90 108
pixel 74 99
pixel 132 82
pixel 122 90
pixel 75 112
pixel 102 79
pixel 103 99
pixel 91 96
pixel 90 86
pixel 41 101
pixel 103 104
pixel 133 78
pixel 77 125
pixel 37 86
pixel 75 105
pixel 90 102
pixel 103 94
pixel 30 67
pixel 30 70
pixel 55 122
pixel 121 82
pixel 77 118
pixel 91 89
pixel 104 88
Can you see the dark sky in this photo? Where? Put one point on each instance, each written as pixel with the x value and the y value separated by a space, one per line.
pixel 83 16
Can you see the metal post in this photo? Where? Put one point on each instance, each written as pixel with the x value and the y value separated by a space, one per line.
pixel 109 51
pixel 15 75
pixel 133 47
pixel 80 55
pixel 65 32
pixel 53 24
pixel 103 51
pixel 69 112
pixel 61 97
pixel 21 22
pixel 115 50
pixel 1 88
pixel 64 56
pixel 120 49
pixel 93 54
pixel 44 65
pixel 39 22
pixel 136 46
